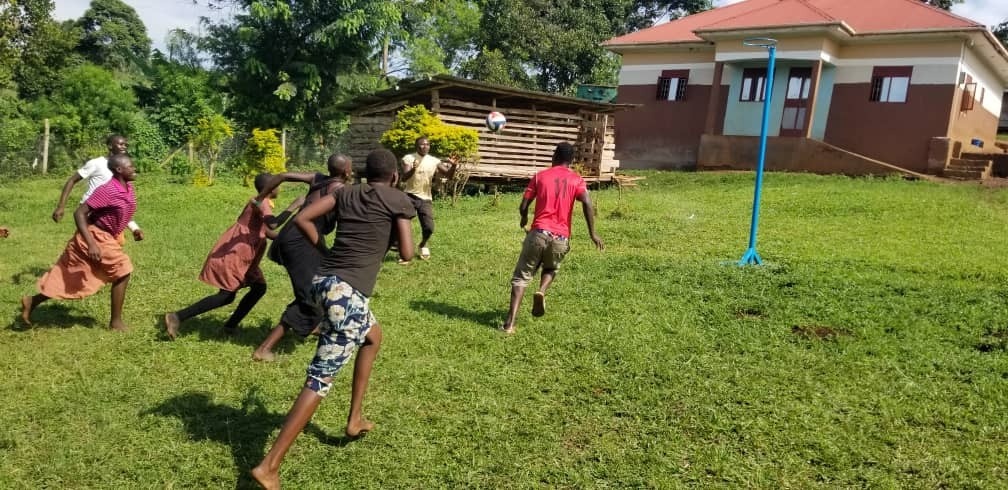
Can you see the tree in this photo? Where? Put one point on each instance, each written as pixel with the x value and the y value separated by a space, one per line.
pixel 88 105
pixel 33 47
pixel 1001 32
pixel 558 43
pixel 942 4
pixel 113 36
pixel 184 48
pixel 178 96
pixel 284 59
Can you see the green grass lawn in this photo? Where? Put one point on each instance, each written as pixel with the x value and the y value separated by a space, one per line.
pixel 868 351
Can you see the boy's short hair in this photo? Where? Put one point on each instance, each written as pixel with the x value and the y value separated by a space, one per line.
pixel 380 165
pixel 118 160
pixel 338 163
pixel 564 153
pixel 260 181
pixel 112 137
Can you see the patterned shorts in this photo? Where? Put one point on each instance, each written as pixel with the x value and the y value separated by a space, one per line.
pixel 346 323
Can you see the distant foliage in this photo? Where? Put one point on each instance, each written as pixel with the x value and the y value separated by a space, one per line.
pixel 263 153
pixel 211 133
pixel 146 145
pixel 446 140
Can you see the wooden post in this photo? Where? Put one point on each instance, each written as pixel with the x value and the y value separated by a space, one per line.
pixel 45 148
pixel 283 143
pixel 192 154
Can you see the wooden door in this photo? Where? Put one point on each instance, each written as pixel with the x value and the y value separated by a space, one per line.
pixel 795 115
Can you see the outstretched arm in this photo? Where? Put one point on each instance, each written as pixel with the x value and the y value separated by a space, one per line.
pixel 277 179
pixel 303 220
pixel 57 214
pixel 589 213
pixel 448 166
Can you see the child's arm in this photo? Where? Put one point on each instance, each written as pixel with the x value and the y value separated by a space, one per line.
pixel 589 213
pixel 274 222
pixel 277 179
pixel 404 229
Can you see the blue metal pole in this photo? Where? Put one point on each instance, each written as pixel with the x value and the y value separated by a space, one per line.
pixel 750 256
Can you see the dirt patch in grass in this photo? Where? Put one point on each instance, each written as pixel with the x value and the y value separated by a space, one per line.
pixel 749 313
pixel 993 341
pixel 820 332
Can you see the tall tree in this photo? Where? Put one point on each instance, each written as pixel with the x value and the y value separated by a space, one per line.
pixel 557 42
pixel 114 36
pixel 942 4
pixel 286 60
pixel 1001 32
pixel 33 47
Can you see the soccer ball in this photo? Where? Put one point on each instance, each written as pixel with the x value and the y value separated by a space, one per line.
pixel 495 121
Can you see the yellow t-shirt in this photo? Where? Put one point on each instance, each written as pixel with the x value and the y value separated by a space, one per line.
pixel 420 183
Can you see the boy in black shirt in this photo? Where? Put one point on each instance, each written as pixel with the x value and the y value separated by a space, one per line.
pixel 366 215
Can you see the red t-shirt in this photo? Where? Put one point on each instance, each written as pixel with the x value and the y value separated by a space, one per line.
pixel 112 206
pixel 554 191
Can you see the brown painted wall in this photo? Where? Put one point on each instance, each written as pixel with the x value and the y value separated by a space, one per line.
pixel 782 154
pixel 896 133
pixel 661 134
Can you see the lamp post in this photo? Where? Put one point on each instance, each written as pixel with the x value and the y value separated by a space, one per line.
pixel 751 256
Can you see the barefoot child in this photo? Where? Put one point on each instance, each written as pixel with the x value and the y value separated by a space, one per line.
pixel 233 264
pixel 554 191
pixel 366 215
pixel 299 257
pixel 94 256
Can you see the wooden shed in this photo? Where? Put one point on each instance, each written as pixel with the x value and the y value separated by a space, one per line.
pixel 536 122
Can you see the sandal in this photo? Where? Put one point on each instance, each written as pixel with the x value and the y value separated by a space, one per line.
pixel 538 304
pixel 424 253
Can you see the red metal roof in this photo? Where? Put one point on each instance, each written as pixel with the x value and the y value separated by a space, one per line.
pixel 863 16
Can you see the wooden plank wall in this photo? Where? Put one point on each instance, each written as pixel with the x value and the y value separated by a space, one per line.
pixel 524 147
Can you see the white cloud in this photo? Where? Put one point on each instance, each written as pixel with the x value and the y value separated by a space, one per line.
pixel 159 16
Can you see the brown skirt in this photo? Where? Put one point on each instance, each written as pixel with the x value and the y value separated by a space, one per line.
pixel 75 276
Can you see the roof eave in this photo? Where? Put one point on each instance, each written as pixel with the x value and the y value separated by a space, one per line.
pixel 651 46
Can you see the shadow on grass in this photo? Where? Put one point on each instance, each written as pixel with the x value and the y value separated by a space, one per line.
pixel 245 429
pixel 487 318
pixel 52 314
pixel 212 330
pixel 28 275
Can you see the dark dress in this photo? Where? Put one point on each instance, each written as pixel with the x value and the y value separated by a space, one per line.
pixel 301 260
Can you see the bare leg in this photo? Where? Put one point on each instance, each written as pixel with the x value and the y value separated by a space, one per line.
pixel 171 321
pixel 28 304
pixel 546 280
pixel 357 425
pixel 517 292
pixel 268 471
pixel 265 350
pixel 118 298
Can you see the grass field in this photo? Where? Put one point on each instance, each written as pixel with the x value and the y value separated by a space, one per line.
pixel 868 351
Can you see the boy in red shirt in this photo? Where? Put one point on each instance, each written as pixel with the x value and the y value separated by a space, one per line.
pixel 554 191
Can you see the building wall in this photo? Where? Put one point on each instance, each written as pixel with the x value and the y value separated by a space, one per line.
pixel 662 134
pixel 982 121
pixel 896 133
pixel 824 102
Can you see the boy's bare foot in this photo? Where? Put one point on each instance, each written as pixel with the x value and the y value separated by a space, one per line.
pixel 264 356
pixel 359 428
pixel 539 304
pixel 508 329
pixel 26 309
pixel 118 326
pixel 171 322
pixel 270 480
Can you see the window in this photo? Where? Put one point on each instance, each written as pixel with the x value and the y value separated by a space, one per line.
pixel 968 96
pixel 672 85
pixel 890 83
pixel 753 85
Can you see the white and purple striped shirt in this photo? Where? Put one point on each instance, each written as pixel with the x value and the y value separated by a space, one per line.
pixel 112 206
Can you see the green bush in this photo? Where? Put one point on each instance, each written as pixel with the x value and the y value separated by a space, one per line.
pixel 263 153
pixel 146 144
pixel 446 140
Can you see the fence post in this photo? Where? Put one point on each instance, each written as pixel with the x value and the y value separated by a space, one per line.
pixel 45 148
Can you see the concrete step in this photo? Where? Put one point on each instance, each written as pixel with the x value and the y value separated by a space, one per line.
pixel 960 174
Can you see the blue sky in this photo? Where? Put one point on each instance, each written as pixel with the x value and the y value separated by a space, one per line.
pixel 160 16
